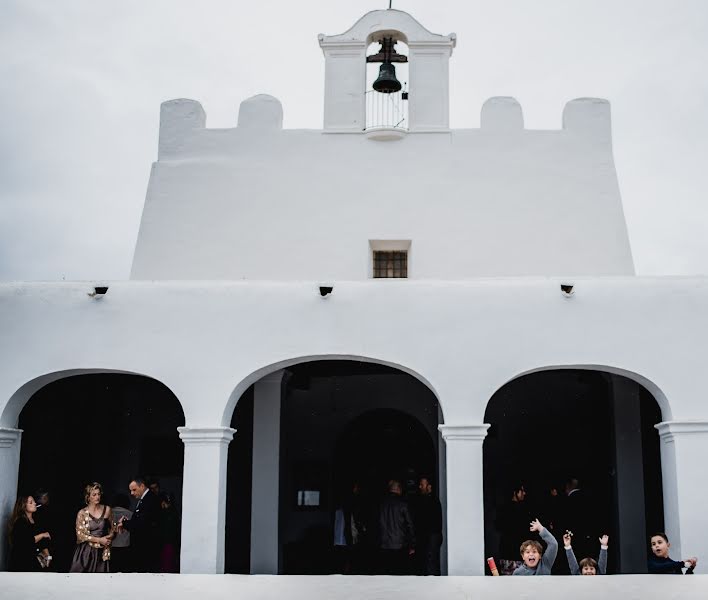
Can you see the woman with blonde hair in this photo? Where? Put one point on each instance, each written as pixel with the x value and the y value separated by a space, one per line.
pixel 26 541
pixel 94 533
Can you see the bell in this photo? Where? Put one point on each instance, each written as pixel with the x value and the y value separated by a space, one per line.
pixel 386 83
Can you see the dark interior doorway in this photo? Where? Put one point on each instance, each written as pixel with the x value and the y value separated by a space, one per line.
pixel 380 445
pixel 107 428
pixel 341 421
pixel 550 426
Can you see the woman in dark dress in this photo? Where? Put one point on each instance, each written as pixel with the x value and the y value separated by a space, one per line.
pixel 94 532
pixel 26 541
pixel 169 534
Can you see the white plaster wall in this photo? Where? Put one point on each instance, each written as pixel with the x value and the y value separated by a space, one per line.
pixel 262 203
pixel 208 341
pixel 34 586
pixel 466 339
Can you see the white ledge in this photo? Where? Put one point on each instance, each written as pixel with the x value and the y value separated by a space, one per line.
pixel 385 134
pixel 464 432
pixel 206 435
pixel 668 430
pixel 9 436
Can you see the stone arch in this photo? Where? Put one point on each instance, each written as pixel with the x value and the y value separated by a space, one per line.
pixel 59 417
pixel 22 395
pixel 645 382
pixel 594 423
pixel 282 448
pixel 254 376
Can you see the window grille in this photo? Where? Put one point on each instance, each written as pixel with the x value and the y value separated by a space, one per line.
pixel 390 264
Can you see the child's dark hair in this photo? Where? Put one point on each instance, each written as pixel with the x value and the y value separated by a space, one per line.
pixel 533 543
pixel 588 562
pixel 660 534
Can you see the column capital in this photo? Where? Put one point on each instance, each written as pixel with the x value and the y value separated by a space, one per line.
pixel 9 436
pixel 475 432
pixel 206 436
pixel 669 430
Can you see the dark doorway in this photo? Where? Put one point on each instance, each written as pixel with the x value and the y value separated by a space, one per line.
pixel 550 426
pixel 106 428
pixel 380 445
pixel 341 421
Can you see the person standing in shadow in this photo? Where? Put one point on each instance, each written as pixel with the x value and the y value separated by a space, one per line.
pixel 427 518
pixel 143 527
pixel 512 522
pixel 170 524
pixel 396 532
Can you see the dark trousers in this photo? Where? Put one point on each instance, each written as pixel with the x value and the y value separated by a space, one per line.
pixel 120 560
pixel 428 555
pixel 394 562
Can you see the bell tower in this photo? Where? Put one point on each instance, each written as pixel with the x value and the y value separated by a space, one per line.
pixel 427 92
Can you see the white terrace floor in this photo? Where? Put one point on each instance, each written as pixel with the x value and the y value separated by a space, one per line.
pixel 264 587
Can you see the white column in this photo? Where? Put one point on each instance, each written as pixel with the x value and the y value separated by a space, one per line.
pixel 684 446
pixel 9 468
pixel 465 499
pixel 204 498
pixel 265 489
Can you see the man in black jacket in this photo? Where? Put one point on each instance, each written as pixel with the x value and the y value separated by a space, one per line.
pixel 143 527
pixel 427 517
pixel 396 532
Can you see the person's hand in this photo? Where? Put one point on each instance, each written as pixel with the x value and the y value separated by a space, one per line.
pixel 411 551
pixel 693 560
pixel 46 536
pixel 604 539
pixel 104 541
pixel 566 539
pixel 536 526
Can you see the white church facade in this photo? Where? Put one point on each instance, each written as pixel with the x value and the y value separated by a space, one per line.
pixel 302 299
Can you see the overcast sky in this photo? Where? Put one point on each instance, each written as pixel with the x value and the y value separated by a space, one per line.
pixel 82 83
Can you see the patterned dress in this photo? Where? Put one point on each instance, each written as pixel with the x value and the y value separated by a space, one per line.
pixel 90 557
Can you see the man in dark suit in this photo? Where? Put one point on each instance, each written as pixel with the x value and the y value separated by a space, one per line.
pixel 579 518
pixel 143 527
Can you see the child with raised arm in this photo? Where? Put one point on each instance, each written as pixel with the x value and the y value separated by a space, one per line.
pixel 661 564
pixel 588 566
pixel 536 562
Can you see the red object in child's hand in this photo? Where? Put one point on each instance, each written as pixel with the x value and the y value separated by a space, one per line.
pixel 492 566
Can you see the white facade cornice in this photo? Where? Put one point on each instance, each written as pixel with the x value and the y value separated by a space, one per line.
pixel 464 432
pixel 669 430
pixel 9 436
pixel 206 436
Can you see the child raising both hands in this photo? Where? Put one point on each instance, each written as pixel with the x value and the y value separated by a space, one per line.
pixel 588 566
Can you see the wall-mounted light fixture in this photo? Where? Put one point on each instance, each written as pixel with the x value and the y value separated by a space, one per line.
pixel 567 289
pixel 325 290
pixel 99 291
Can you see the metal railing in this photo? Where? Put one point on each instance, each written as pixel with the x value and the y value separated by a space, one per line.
pixel 387 111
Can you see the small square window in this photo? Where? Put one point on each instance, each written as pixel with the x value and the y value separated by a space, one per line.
pixel 390 264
